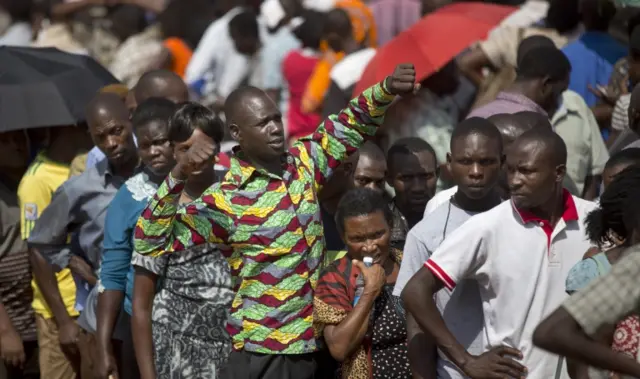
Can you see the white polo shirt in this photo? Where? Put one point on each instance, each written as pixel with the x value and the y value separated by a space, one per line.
pixel 520 263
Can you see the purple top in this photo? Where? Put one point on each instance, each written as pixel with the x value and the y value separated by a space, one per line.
pixel 507 102
pixel 394 16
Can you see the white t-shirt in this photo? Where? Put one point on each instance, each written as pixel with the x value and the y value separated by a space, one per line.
pixel 520 264
pixel 439 199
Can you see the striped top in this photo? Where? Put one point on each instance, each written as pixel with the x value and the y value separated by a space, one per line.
pixel 268 227
pixel 15 272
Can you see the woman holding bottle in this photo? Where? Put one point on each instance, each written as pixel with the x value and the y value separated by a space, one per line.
pixel 362 322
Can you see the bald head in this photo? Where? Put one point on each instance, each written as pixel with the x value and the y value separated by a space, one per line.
pixel 105 106
pixel 161 83
pixel 547 144
pixel 372 151
pixel 512 126
pixel 242 100
pixel 533 120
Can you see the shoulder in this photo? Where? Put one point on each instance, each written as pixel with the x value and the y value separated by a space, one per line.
pixel 574 102
pixel 583 273
pixel 139 187
pixel 584 207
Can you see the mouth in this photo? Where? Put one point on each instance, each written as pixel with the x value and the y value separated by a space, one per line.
pixel 158 162
pixel 117 155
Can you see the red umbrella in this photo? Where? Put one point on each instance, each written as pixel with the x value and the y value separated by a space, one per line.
pixel 434 40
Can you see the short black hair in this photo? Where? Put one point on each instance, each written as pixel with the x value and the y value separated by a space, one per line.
pixel 244 24
pixel 543 61
pixel 619 209
pixel 338 22
pixel 191 116
pixel 552 142
pixel 408 145
pixel 479 126
pixel 310 32
pixel 532 42
pixel 152 109
pixel 361 202
pixel 628 157
pixel 563 15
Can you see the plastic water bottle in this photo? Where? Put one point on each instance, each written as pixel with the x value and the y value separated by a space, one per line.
pixel 368 261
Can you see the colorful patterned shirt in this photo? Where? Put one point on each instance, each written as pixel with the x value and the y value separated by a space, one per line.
pixel 269 228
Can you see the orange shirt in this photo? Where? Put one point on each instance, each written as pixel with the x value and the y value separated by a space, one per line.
pixel 180 55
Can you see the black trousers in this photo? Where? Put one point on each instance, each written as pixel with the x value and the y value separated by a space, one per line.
pixel 245 365
pixel 31 369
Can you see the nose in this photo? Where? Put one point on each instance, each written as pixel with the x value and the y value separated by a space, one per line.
pixel 369 247
pixel 476 171
pixel 155 151
pixel 111 143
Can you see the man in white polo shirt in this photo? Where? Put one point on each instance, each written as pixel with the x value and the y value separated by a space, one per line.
pixel 519 253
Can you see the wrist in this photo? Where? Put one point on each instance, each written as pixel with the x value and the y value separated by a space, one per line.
pixel 462 359
pixel 178 174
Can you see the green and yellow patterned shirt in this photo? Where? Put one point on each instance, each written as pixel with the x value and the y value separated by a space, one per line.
pixel 269 228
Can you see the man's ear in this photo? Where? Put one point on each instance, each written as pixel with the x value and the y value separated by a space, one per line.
pixel 561 171
pixel 235 133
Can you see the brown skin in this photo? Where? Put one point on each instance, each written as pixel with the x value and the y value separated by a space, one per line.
pixel 370 173
pixel 544 92
pixel 156 154
pixel 145 283
pixel 110 129
pixel 14 155
pixel 366 235
pixel 472 63
pixel 414 177
pixel 475 162
pixel 67 142
pixel 536 182
pixel 165 85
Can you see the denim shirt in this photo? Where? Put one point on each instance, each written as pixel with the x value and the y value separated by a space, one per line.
pixel 116 272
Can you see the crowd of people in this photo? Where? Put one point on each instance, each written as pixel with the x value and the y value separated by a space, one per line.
pixel 232 209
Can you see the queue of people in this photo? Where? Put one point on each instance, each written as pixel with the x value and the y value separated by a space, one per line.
pixel 233 210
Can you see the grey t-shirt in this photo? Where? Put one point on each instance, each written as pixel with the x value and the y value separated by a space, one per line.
pixel 460 308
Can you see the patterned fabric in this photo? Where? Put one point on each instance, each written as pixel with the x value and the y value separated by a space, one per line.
pixel 190 311
pixel 627 336
pixel 268 227
pixel 400 227
pixel 334 298
pixel 609 298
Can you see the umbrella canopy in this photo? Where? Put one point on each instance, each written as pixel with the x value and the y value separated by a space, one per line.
pixel 46 87
pixel 434 40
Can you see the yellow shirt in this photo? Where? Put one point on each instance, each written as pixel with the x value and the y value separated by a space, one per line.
pixel 36 189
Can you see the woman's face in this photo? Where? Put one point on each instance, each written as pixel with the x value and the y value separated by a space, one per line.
pixel 367 236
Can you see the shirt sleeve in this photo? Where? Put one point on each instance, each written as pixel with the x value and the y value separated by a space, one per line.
pixel 236 69
pixel 34 196
pixel 165 227
pixel 499 44
pixel 342 134
pixel 461 254
pixel 608 299
pixel 117 244
pixel 620 117
pixel 271 65
pixel 599 152
pixel 203 56
pixel 50 235
pixel 414 255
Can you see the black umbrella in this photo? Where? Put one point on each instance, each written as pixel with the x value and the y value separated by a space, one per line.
pixel 46 87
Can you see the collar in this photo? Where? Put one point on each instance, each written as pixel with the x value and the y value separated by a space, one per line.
pixel 570 211
pixel 104 171
pixel 241 170
pixel 518 98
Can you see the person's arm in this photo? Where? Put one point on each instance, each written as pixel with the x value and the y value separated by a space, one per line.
pixel 11 345
pixel 599 155
pixel 460 256
pixel 148 269
pixel 341 135
pixel 570 330
pixel 472 63
pixel 344 338
pixel 116 261
pixel 164 227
